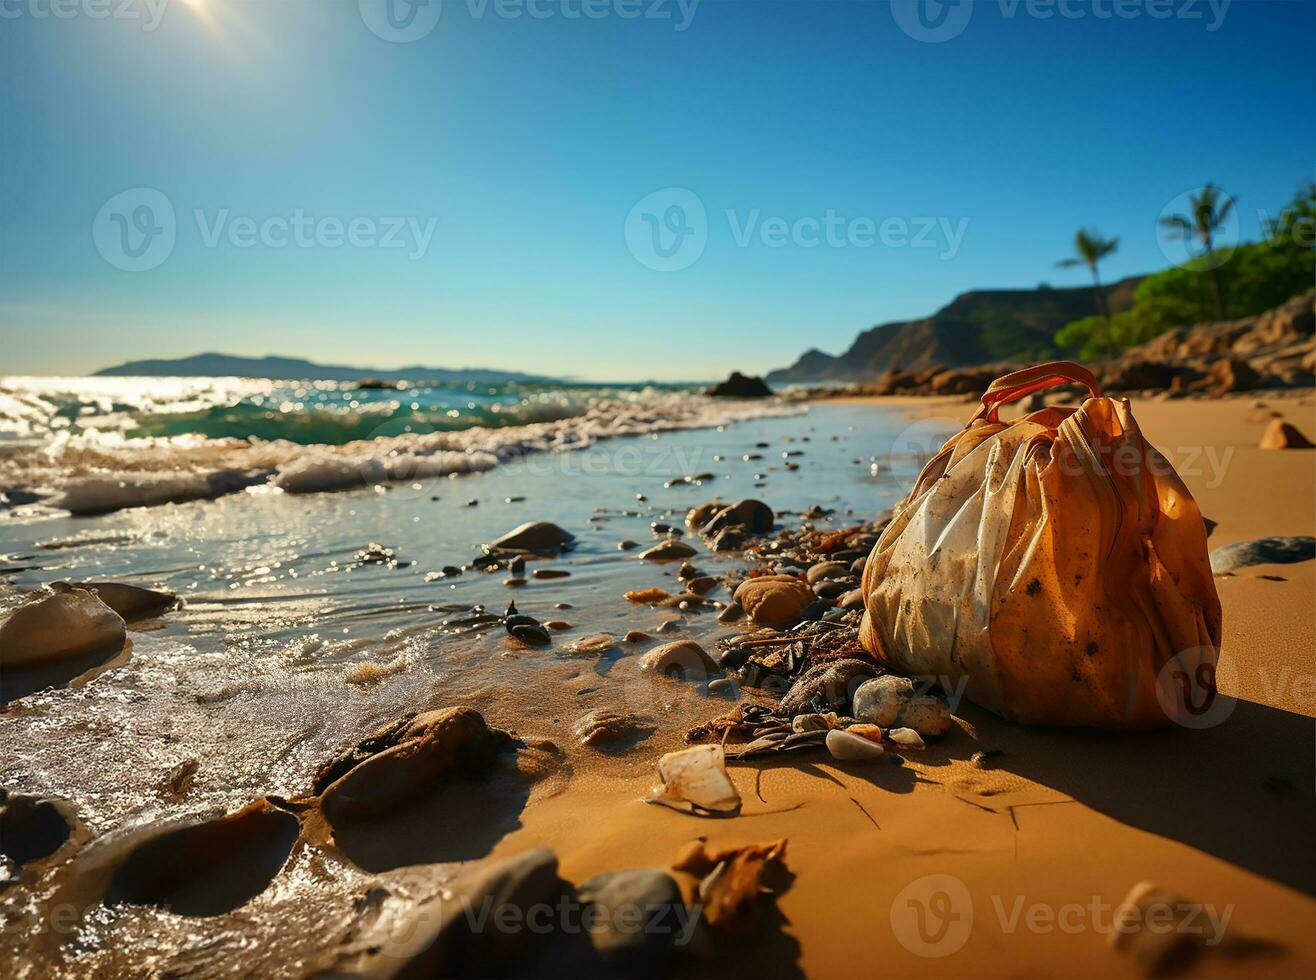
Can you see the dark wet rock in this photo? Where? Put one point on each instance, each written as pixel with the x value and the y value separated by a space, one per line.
pixel 401 760
pixel 515 619
pixel 834 588
pixel 702 585
pixel 557 625
pixel 853 599
pixel 535 536
pixel 131 602
pixel 1263 551
pixel 813 611
pixel 750 516
pixel 731 613
pixel 634 917
pixel 828 687
pixel 451 938
pixel 668 551
pixel 53 626
pixel 551 573
pixel 627 544
pixel 636 636
pixel 740 386
pixel 514 583
pixel 667 626
pixel 698 516
pixel 857 566
pixel 728 539
pixel 517 566
pixel 603 726
pixel 684 660
pixel 535 636
pixel 200 867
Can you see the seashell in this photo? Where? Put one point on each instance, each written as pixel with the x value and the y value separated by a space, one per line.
pixel 696 780
pixel 906 738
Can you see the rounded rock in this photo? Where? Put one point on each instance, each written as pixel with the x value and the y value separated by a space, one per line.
pixel 774 600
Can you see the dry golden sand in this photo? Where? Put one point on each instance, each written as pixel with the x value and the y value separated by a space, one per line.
pixel 1223 816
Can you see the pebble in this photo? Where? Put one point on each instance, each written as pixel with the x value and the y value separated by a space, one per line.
pixel 532 635
pixel 627 545
pixel 827 686
pixel 667 626
pixel 731 613
pixel 668 551
pixel 813 611
pixel 906 738
pixel 702 585
pixel 628 950
pixel 563 605
pixel 846 747
pixel 827 569
pixel 557 625
pixel 724 686
pixel 683 659
pixel 594 645
pixel 514 583
pixel 636 636
pixel 535 536
pixel 1263 551
pixel 774 600
pixel 517 567
pixel 854 599
pixel 890 701
pixel 833 589
pixel 551 573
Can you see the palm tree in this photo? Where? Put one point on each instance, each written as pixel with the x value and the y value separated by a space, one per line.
pixel 1090 248
pixel 1210 208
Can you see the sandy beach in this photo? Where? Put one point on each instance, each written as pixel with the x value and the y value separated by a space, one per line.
pixel 1053 837
pixel 998 850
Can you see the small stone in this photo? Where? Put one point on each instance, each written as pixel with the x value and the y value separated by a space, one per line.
pixel 535 536
pixel 1284 435
pixel 724 686
pixel 517 566
pixel 547 573
pixel 697 517
pixel 1262 551
pixel 594 645
pixel 857 566
pixel 813 611
pixel 514 583
pixel 627 544
pixel 906 738
pixel 833 588
pixel 684 660
pixel 702 585
pixel 827 569
pixel 750 516
pixel 668 551
pixel 846 747
pixel 731 613
pixel 636 636
pixel 632 948
pixel 557 625
pixel 534 636
pixel 854 599
pixel 688 571
pixel 774 600
pixel 881 699
pixel 563 605
pixel 667 626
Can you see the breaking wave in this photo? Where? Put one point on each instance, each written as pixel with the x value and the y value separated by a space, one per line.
pixel 96 445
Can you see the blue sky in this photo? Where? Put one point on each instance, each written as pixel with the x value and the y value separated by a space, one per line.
pixel 505 157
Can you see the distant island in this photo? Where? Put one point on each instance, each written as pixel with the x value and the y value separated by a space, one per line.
pixel 983 326
pixel 212 365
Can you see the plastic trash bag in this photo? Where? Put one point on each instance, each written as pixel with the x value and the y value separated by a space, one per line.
pixel 1052 568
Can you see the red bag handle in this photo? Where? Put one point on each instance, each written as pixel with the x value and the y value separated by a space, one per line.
pixel 1020 384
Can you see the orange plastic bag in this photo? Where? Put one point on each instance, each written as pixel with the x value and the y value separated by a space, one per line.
pixel 1052 568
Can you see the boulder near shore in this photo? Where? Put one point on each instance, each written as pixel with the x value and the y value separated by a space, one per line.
pixel 740 386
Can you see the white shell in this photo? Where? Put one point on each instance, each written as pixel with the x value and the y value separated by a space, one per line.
pixel 906 738
pixel 696 779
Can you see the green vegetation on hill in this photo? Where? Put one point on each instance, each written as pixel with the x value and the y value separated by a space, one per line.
pixel 1246 279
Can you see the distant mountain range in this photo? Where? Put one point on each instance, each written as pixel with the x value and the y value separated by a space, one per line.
pixel 984 326
pixel 296 369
